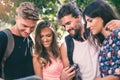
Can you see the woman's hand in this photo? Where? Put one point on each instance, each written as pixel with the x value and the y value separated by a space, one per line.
pixel 43 62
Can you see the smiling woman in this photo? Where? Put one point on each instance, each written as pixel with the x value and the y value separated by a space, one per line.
pixel 97 15
pixel 46 60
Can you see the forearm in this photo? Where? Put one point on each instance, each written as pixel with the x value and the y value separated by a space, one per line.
pixel 37 67
pixel 38 72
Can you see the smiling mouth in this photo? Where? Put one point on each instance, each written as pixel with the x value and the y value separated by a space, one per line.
pixel 46 43
pixel 91 30
pixel 70 30
pixel 26 33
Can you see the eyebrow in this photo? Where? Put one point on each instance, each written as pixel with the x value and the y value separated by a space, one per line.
pixel 67 23
pixel 27 26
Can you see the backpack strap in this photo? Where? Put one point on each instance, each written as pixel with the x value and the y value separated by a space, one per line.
pixel 70 48
pixel 9 48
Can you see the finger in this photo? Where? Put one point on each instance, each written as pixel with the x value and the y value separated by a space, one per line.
pixel 71 69
pixel 111 23
pixel 65 69
pixel 112 28
pixel 44 61
pixel 72 74
pixel 108 25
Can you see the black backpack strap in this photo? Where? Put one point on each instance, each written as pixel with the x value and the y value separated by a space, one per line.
pixel 70 48
pixel 9 48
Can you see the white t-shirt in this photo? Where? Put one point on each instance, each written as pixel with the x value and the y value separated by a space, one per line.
pixel 86 56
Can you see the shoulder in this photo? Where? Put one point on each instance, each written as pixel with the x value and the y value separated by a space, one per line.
pixel 114 38
pixel 3 41
pixel 69 40
pixel 3 36
pixel 35 54
pixel 115 35
pixel 68 37
pixel 117 32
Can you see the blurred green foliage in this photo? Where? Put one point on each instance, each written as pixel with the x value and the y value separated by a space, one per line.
pixel 48 10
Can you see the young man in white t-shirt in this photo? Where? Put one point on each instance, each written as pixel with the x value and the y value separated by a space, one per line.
pixel 84 54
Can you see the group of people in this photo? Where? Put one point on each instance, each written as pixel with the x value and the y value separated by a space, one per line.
pixel 88 41
pixel 95 44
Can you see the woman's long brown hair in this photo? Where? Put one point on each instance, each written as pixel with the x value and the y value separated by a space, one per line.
pixel 39 48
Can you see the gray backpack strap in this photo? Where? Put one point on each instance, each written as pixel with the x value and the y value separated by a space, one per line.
pixel 9 48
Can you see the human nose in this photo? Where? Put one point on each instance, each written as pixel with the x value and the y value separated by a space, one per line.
pixel 88 25
pixel 67 27
pixel 44 38
pixel 28 30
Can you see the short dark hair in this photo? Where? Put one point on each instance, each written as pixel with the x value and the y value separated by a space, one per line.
pixel 69 8
pixel 28 10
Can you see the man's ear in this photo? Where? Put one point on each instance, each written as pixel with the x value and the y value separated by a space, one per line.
pixel 79 16
pixel 16 18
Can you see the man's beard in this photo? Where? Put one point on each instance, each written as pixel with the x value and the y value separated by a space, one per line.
pixel 78 35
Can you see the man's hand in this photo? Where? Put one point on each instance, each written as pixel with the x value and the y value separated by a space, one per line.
pixel 68 73
pixel 112 25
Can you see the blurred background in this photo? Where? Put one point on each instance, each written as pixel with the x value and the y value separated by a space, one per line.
pixel 48 11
